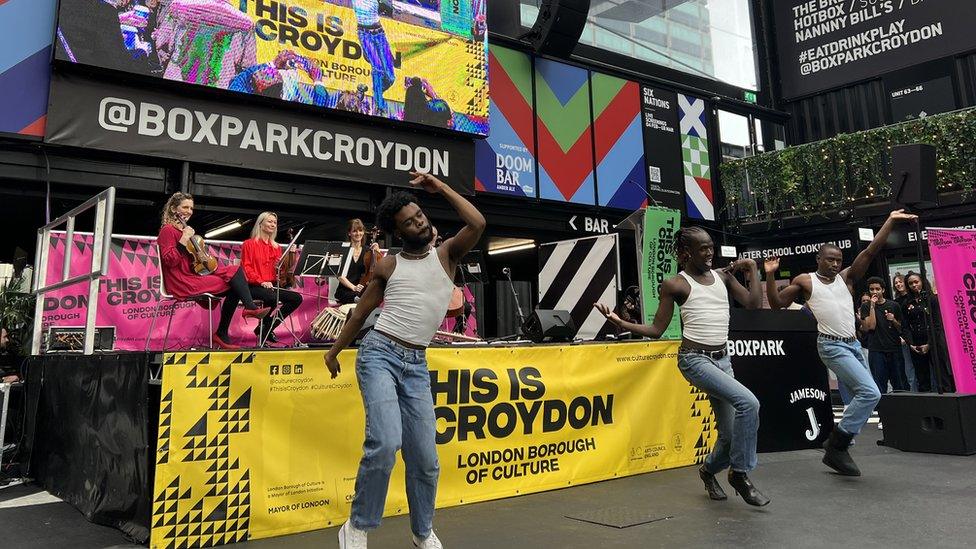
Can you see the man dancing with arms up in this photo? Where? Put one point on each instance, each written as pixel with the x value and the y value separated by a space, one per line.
pixel 828 295
pixel 702 295
pixel 415 287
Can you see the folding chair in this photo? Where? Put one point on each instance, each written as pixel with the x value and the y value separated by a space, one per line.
pixel 165 296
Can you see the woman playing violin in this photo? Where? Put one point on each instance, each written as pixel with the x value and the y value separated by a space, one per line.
pixel 176 265
pixel 259 257
pixel 350 286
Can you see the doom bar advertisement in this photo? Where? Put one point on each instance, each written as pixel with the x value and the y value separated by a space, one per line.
pixel 253 445
pixel 423 62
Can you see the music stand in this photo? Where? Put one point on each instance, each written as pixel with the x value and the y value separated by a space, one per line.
pixel 322 258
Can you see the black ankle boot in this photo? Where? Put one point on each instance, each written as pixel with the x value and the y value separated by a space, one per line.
pixel 712 486
pixel 267 331
pixel 743 487
pixel 837 457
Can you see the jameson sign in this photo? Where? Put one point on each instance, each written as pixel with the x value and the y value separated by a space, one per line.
pixel 85 113
pixel 662 146
pixel 824 44
pixel 659 263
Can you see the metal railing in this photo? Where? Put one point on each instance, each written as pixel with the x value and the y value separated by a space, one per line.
pixel 104 204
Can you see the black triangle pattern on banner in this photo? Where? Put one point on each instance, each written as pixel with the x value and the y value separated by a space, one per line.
pixel 222 514
pixel 701 408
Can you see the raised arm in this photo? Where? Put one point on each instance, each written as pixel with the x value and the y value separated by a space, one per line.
pixel 370 300
pixel 864 259
pixel 474 223
pixel 869 321
pixel 751 298
pixel 662 318
pixel 777 298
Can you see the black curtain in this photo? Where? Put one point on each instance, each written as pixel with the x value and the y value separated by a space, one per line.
pixel 90 438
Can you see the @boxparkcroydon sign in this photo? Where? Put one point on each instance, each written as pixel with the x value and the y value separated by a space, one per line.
pixel 92 114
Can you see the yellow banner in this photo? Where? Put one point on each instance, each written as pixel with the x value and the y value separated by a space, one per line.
pixel 253 445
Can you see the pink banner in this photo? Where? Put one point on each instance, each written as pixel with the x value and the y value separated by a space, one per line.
pixel 953 254
pixel 128 295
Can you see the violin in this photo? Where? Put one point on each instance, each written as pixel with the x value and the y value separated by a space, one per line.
pixel 203 262
pixel 286 276
pixel 456 306
pixel 369 260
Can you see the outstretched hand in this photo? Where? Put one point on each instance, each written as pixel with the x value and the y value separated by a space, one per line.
pixel 606 312
pixel 771 264
pixel 740 265
pixel 901 215
pixel 426 181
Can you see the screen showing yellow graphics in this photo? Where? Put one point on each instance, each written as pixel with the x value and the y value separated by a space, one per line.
pixel 419 61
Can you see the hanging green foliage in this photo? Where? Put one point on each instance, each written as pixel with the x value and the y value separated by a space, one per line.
pixel 846 169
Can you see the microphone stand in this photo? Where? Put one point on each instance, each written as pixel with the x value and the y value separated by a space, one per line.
pixel 518 306
pixel 276 314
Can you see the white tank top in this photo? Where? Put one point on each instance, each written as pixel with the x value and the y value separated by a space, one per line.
pixel 833 306
pixel 416 299
pixel 705 314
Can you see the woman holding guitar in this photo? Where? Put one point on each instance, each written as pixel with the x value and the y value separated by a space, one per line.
pixel 181 269
pixel 259 257
pixel 352 285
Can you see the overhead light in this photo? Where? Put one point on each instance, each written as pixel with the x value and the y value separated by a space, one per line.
pixel 507 249
pixel 232 226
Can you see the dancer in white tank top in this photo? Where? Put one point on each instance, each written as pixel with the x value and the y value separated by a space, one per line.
pixel 828 295
pixel 391 364
pixel 702 295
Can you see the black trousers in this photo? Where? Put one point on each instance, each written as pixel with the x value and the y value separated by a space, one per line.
pixel 289 301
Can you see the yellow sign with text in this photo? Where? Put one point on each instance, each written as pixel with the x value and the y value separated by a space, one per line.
pixel 254 445
pixel 328 33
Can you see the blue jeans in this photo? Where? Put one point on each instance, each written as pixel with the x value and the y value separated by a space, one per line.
pixel 736 411
pixel 911 376
pixel 888 366
pixel 847 363
pixel 395 385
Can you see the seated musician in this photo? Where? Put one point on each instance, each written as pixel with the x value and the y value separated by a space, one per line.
pixel 350 288
pixel 259 257
pixel 176 265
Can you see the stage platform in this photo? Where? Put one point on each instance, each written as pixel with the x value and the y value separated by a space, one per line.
pixel 903 500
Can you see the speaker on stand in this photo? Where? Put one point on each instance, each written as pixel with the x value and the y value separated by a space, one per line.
pixel 924 422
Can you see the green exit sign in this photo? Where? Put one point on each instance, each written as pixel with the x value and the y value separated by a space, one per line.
pixel 749 96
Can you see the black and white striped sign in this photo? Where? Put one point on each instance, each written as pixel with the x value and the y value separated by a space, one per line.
pixel 574 274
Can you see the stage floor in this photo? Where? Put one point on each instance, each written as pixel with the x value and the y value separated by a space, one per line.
pixel 903 500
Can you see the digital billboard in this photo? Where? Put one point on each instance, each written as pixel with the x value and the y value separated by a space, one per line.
pixel 419 61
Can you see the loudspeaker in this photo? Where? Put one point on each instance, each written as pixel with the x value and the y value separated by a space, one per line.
pixel 546 325
pixel 932 423
pixel 558 27
pixel 913 181
pixel 367 325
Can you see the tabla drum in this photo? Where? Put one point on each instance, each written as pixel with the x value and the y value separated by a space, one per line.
pixel 329 322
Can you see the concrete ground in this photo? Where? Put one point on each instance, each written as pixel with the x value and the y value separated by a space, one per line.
pixel 902 500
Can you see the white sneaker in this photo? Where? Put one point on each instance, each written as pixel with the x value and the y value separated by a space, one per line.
pixel 430 543
pixel 351 537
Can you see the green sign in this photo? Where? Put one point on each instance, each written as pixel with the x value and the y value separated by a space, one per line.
pixel 659 264
pixel 749 96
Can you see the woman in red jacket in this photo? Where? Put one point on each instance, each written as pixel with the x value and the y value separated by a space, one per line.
pixel 177 268
pixel 259 257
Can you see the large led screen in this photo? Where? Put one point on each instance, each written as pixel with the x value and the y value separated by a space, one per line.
pixel 420 61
